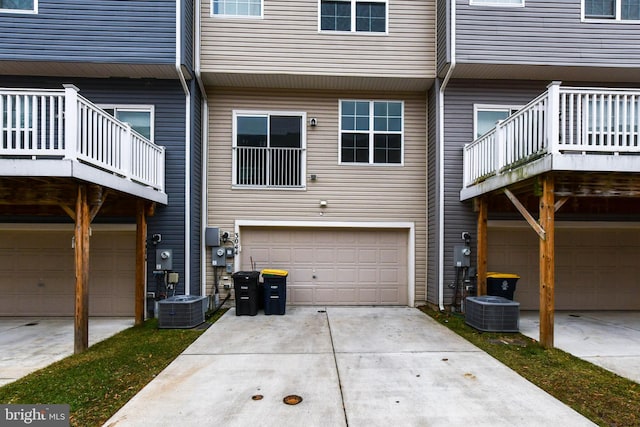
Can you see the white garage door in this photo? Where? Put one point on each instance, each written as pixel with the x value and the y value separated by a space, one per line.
pixel 38 273
pixel 332 266
pixel 596 269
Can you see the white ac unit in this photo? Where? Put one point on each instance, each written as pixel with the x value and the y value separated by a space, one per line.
pixel 492 314
pixel 181 311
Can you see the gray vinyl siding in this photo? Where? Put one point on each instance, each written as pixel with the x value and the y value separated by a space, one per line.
pixel 196 188
pixel 187 30
pixel 443 50
pixel 355 193
pixel 460 97
pixel 101 31
pixel 432 195
pixel 546 32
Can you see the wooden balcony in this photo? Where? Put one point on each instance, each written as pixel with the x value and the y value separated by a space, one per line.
pixel 564 130
pixel 60 134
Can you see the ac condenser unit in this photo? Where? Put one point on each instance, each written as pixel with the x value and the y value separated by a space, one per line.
pixel 181 311
pixel 492 314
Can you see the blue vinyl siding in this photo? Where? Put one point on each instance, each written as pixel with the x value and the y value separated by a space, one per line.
pixel 548 32
pixel 187 37
pixel 196 188
pixel 102 31
pixel 168 99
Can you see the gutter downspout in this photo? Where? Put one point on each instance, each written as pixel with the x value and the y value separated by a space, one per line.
pixel 187 153
pixel 204 143
pixel 441 89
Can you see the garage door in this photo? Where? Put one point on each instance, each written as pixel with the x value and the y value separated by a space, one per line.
pixel 332 266
pixel 38 273
pixel 596 269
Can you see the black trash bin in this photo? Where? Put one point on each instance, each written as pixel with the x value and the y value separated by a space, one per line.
pixel 245 284
pixel 501 284
pixel 275 291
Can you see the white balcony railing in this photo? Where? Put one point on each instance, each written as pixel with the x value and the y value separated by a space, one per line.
pixel 60 124
pixel 561 121
pixel 269 167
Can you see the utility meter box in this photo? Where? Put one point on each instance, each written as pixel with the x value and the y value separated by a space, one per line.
pixel 164 259
pixel 218 256
pixel 461 256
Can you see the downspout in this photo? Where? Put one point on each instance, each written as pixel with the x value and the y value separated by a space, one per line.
pixel 441 89
pixel 204 144
pixel 187 153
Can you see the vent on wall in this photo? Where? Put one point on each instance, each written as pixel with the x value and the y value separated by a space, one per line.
pixel 492 314
pixel 181 311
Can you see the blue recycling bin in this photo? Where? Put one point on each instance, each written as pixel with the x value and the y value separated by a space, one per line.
pixel 275 291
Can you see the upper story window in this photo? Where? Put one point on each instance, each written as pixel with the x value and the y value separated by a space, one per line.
pixel 497 2
pixel 139 117
pixel 240 8
pixel 371 132
pixel 19 6
pixel 612 9
pixel 269 149
pixel 487 116
pixel 353 16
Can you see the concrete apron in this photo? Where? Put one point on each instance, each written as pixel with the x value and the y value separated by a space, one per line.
pixel 355 366
pixel 610 339
pixel 31 343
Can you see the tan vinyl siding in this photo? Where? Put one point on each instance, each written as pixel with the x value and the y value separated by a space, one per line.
pixel 363 193
pixel 287 41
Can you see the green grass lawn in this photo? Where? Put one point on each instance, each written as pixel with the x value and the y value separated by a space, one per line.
pixel 602 396
pixel 99 381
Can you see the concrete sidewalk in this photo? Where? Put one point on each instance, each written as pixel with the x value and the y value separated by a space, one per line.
pixel 31 343
pixel 352 366
pixel 609 339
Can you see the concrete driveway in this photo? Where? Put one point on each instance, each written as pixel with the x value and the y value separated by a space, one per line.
pixel 352 366
pixel 31 343
pixel 610 339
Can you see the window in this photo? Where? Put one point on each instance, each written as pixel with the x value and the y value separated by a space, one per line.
pixel 497 2
pixel 371 132
pixel 486 117
pixel 269 149
pixel 19 6
pixel 612 9
pixel 139 117
pixel 353 16
pixel 249 8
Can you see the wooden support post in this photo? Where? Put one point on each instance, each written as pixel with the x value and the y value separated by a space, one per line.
pixel 547 259
pixel 81 330
pixel 482 246
pixel 141 250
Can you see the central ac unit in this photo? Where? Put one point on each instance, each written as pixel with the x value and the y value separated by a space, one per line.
pixel 181 311
pixel 492 314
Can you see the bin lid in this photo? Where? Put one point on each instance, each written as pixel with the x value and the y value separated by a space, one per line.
pixel 271 272
pixel 245 274
pixel 496 275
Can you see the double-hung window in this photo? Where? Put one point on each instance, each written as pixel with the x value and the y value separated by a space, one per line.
pixel 624 10
pixel 139 117
pixel 269 149
pixel 353 16
pixel 237 8
pixel 371 132
pixel 19 6
pixel 487 116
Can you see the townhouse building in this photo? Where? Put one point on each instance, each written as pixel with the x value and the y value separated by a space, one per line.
pixel 99 122
pixel 316 148
pixel 538 113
